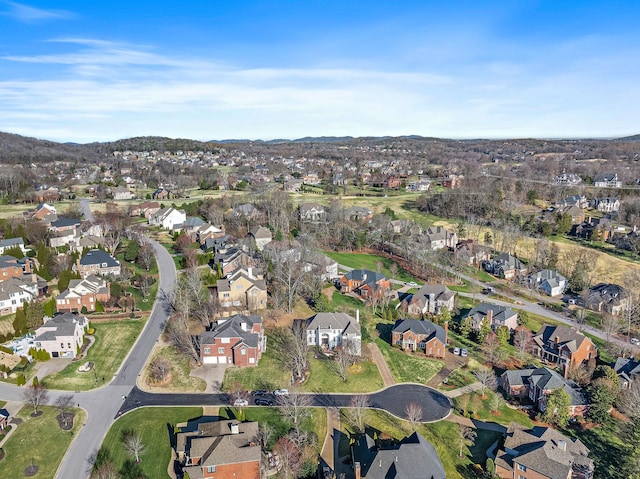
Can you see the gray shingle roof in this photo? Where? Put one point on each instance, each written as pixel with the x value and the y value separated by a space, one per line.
pixel 341 321
pixel 422 327
pixel 97 256
pixel 232 328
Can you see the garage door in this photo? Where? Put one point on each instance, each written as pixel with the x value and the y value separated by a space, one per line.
pixel 222 360
pixel 210 360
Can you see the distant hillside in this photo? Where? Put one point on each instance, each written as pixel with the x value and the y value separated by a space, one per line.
pixel 25 150
pixel 159 143
pixel 629 138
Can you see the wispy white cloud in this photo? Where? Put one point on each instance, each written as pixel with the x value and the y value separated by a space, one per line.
pixel 28 14
pixel 105 90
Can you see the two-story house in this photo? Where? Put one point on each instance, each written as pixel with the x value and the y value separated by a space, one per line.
pixel 437 238
pixel 550 282
pixel 167 218
pixel 261 236
pixel 494 315
pixel 365 283
pixel 563 346
pixel 537 384
pixel 241 291
pixel 541 453
pixel 146 209
pixel 62 335
pixel 83 293
pixel 10 243
pixel 607 180
pixel 331 330
pixel 628 370
pixel 607 205
pixel 429 299
pixel 607 297
pixel 14 292
pixel 311 212
pixel 220 449
pixel 97 262
pixel 237 340
pixel 413 334
pixel 11 267
pixel 505 266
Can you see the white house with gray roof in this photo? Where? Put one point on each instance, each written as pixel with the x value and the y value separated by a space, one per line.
pixel 429 299
pixel 495 316
pixel 330 330
pixel 550 282
pixel 12 243
pixel 62 335
pixel 167 218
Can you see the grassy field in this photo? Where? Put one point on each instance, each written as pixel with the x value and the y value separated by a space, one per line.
pixel 269 374
pixel 479 408
pixel 323 378
pixel 6 324
pixel 409 368
pixel 113 342
pixel 152 424
pixel 370 262
pixel 180 379
pixel 40 439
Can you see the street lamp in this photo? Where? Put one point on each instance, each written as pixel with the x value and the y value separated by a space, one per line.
pixel 95 374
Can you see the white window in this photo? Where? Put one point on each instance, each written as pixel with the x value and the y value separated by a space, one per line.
pixel 207 350
pixel 225 340
pixel 252 361
pixel 220 350
pixel 243 352
pixel 211 468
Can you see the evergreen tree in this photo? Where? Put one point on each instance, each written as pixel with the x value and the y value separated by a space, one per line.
pixel 132 250
pixel 14 251
pixel 20 322
pixel 557 408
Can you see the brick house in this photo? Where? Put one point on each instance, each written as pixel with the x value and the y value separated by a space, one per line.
pixel 98 262
pixel 541 453
pixel 413 334
pixel 146 209
pixel 429 299
pixel 83 293
pixel 220 450
pixel 11 267
pixel 237 340
pixel 61 335
pixel 537 384
pixel 505 266
pixel 367 284
pixel 563 346
pixel 43 210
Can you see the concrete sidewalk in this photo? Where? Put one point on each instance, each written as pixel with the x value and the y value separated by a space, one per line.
pixel 469 388
pixel 378 358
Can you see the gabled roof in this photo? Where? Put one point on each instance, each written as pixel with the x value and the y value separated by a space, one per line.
pixel 364 276
pixel 63 324
pixel 562 336
pixel 63 222
pixel 548 380
pixel 543 450
pixel 97 256
pixel 232 328
pixel 422 327
pixel 193 222
pixel 260 232
pixel 9 242
pixel 413 457
pixel 500 313
pixel 341 321
pixel 439 291
pixel 627 368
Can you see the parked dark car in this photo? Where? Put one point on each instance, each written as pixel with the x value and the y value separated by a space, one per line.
pixel 263 402
pixel 259 392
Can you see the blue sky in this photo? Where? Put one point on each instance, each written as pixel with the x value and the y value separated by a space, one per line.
pixel 98 71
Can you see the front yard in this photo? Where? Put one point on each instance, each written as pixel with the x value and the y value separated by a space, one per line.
pixel 155 426
pixel 38 439
pixel 362 377
pixel 180 379
pixel 113 340
pixel 409 368
pixel 370 262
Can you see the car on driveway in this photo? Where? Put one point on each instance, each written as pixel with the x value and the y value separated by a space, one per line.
pixel 635 341
pixel 281 392
pixel 240 403
pixel 259 392
pixel 463 352
pixel 456 351
pixel 263 402
pixel 411 283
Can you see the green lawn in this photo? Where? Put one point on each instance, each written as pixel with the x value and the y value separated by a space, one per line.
pixel 370 262
pixel 40 439
pixel 534 322
pixel 322 378
pixel 269 374
pixel 409 368
pixel 113 341
pixel 479 408
pixel 346 304
pixel 466 287
pixel 153 426
pixel 180 370
pixel 141 304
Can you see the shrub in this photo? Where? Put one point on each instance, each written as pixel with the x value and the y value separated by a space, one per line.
pixel 6 349
pixel 99 307
pixel 91 331
pixel 21 380
pixel 84 310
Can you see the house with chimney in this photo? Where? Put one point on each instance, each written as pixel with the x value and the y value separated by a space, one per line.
pixel 437 237
pixel 237 340
pixel 83 293
pixel 607 298
pixel 429 299
pixel 14 292
pixel 12 267
pixel 11 243
pixel 537 384
pixel 62 335
pixel 167 218
pixel 332 330
pixel 44 210
pixel 365 283
pixel 413 335
pixel 471 253
pixel 541 453
pixel 607 205
pixel 550 282
pixel 242 290
pixel 505 266
pixel 493 315
pixel 311 212
pixel 607 180
pixel 146 209
pixel 563 346
pixel 219 449
pixel 412 457
pixel 97 262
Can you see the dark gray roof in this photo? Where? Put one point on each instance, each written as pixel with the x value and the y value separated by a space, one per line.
pixel 63 222
pixel 364 275
pixel 65 325
pixel 422 327
pixel 97 256
pixel 563 336
pixel 500 313
pixel 341 321
pixel 413 457
pixel 9 242
pixel 232 328
pixel 193 222
pixel 627 368
pixel 547 379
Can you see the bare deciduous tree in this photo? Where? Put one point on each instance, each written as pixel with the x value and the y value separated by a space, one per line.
pixel 35 395
pixel 413 413
pixel 523 341
pixel 178 334
pixel 487 379
pixel 289 455
pixel 357 407
pixel 466 436
pixel 106 470
pixel 63 405
pixel 295 407
pixel 134 446
pixel 159 367
pixel 343 359
pixel 299 350
pixel 146 255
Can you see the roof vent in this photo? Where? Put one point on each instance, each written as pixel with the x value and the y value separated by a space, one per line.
pixel 235 429
pixel 562 445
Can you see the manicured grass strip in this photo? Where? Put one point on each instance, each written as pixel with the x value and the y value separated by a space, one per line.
pixel 41 439
pixel 113 341
pixel 409 368
pixel 323 378
pixel 370 262
pixel 153 426
pixel 269 374
pixel 480 408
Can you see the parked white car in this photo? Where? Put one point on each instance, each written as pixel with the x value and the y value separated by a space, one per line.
pixel 281 392
pixel 240 403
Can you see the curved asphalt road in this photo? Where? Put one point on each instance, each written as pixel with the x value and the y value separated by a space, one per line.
pixel 435 405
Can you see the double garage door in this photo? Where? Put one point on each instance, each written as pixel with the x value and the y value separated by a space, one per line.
pixel 215 360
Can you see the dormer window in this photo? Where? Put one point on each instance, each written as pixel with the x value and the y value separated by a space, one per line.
pixel 104 265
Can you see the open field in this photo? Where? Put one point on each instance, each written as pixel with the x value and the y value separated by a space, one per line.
pixel 39 439
pixel 154 425
pixel 365 378
pixel 370 262
pixel 409 368
pixel 113 341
